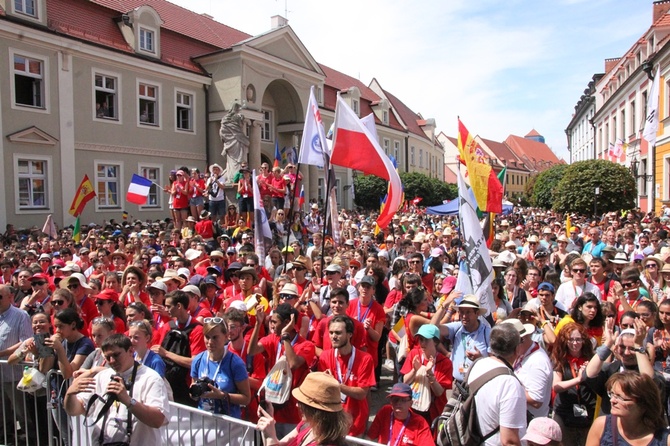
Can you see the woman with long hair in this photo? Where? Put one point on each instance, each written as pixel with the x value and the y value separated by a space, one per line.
pixel 415 304
pixel 324 421
pixel 133 283
pixel 101 329
pixel 587 312
pixel 503 307
pixel 514 294
pixel 652 277
pixel 575 403
pixel 108 307
pixel 636 417
pixel 659 347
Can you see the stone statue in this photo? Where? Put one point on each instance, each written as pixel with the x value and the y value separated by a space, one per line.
pixel 235 141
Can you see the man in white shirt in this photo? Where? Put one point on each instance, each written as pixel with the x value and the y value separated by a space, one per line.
pixel 534 370
pixel 501 402
pixel 569 291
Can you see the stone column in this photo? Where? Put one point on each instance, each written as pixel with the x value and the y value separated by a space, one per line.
pixel 255 145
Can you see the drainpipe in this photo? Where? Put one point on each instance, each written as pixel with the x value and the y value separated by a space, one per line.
pixel 207 158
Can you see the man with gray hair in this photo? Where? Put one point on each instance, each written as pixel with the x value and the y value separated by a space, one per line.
pixel 501 402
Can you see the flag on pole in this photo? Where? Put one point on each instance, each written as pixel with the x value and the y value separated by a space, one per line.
pixel 138 190
pixel 332 211
pixel 85 193
pixel 313 143
pixel 476 253
pixel 486 186
pixel 262 232
pixel 49 227
pixel 76 232
pixel 488 228
pixel 651 122
pixel 568 225
pixel 301 199
pixel 277 155
pixel 356 148
pixel 618 148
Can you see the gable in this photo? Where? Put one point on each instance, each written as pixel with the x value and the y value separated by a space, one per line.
pixel 284 44
pixel 33 135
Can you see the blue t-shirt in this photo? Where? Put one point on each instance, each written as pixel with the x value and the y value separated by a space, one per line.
pixel 155 362
pixel 230 371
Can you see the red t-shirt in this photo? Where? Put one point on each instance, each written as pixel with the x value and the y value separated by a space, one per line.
pixel 416 431
pixel 249 413
pixel 444 374
pixel 321 337
pixel 119 326
pixel 144 298
pixel 180 195
pixel 196 337
pixel 362 374
pixel 205 229
pixel 360 313
pixel 279 183
pixel 288 412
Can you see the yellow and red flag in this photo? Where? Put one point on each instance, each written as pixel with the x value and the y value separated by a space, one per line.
pixel 568 225
pixel 85 193
pixel 485 184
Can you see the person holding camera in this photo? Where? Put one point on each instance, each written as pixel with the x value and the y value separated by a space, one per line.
pixel 139 398
pixel 220 378
pixel 214 186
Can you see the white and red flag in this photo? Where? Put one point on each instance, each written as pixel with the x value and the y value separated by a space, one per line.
pixel 355 147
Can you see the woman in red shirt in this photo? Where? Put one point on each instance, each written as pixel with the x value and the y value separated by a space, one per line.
pixel 196 196
pixel 246 201
pixel 180 197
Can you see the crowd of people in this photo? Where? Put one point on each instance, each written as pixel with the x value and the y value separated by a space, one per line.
pixel 153 312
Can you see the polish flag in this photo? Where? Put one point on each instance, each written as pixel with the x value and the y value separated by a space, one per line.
pixel 355 147
pixel 138 191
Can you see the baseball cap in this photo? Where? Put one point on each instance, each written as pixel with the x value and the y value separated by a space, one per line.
pixel 159 286
pixel 368 280
pixel 543 430
pixel 400 389
pixel 429 331
pixel 546 286
pixel 334 268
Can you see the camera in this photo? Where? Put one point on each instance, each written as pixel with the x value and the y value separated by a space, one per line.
pixel 200 386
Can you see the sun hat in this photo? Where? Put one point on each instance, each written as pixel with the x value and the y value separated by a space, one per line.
pixel 523 329
pixel 158 285
pixel 171 274
pixel 472 301
pixel 249 270
pixel 320 391
pixel 289 288
pixel 192 254
pixel 543 430
pixel 79 277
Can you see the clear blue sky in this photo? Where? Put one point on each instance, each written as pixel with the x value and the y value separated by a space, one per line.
pixel 503 67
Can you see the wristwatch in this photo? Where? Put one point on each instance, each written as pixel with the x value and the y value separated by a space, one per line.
pixel 132 404
pixel 640 350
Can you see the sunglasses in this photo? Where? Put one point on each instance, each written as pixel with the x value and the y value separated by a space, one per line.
pixel 627 285
pixel 100 302
pixel 73 286
pixel 287 296
pixel 299 268
pixel 330 273
pixel 651 265
pixel 58 302
pixel 579 270
pixel 216 320
pixel 40 283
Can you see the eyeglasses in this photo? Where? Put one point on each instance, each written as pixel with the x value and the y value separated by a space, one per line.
pixel 40 283
pixel 287 296
pixel 532 243
pixel 73 286
pixel 58 302
pixel 579 270
pixel 576 340
pixel 614 396
pixel 414 261
pixel 330 273
pixel 651 265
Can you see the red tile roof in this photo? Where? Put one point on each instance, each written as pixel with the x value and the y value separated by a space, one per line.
pixel 532 133
pixel 342 82
pixel 536 155
pixel 407 116
pixel 183 21
pixel 87 21
pixel 503 153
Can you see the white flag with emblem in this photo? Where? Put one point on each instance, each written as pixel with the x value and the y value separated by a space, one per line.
pixel 262 232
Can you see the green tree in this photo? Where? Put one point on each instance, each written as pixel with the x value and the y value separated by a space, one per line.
pixel 432 190
pixel 575 192
pixel 368 190
pixel 544 184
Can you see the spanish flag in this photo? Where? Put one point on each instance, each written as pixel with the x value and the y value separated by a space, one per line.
pixel 483 180
pixel 568 225
pixel 84 194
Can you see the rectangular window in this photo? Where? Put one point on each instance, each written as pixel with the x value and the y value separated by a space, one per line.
pixel 421 158
pixel 633 124
pixel 512 178
pixel 107 185
pixel 321 189
pixel 396 150
pixel 147 42
pixel 319 95
pixel 266 128
pixel 385 116
pixel 27 7
pixel 338 193
pixel 184 111
pixel 411 155
pixel 153 174
pixel 355 107
pixel 387 146
pixel 148 104
pixel 28 81
pixel 32 177
pixel 106 95
pixel 623 124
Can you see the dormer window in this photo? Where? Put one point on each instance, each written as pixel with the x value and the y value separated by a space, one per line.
pixel 147 40
pixel 355 106
pixel 385 116
pixel 27 7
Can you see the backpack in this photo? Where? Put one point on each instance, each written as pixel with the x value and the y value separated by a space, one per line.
pixel 177 341
pixel 458 424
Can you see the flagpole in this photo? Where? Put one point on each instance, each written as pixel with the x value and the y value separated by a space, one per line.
pixel 325 216
pixel 290 213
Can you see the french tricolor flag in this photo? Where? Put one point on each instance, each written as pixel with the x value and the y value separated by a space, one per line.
pixel 138 191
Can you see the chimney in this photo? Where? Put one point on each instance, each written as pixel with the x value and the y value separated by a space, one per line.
pixel 610 63
pixel 278 21
pixel 661 7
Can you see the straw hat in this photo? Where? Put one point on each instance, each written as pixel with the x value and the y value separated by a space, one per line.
pixel 472 301
pixel 171 274
pixel 321 391
pixel 620 258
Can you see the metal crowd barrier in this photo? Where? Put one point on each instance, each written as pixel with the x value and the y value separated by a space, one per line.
pixel 39 420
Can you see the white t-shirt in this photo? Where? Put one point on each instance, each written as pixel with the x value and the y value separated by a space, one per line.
pixel 536 374
pixel 567 293
pixel 149 389
pixel 500 402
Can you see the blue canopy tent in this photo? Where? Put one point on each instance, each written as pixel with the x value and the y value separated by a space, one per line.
pixel 451 208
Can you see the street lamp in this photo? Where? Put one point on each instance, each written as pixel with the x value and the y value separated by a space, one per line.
pixel 595 202
pixel 634 166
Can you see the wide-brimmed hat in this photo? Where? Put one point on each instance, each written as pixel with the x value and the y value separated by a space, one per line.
pixel 523 329
pixel 289 288
pixel 79 277
pixel 301 261
pixel 654 259
pixel 249 270
pixel 472 301
pixel 211 168
pixel 171 274
pixel 620 259
pixel 533 239
pixel 118 253
pixel 562 238
pixel 665 269
pixel 320 391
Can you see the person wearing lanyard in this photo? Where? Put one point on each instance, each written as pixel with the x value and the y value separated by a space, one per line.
pixel 396 425
pixel 534 370
pixel 283 339
pixel 469 336
pixel 569 291
pixel 352 368
pixel 140 334
pixel 370 313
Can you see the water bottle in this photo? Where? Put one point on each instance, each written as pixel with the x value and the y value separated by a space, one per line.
pixel 26 374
